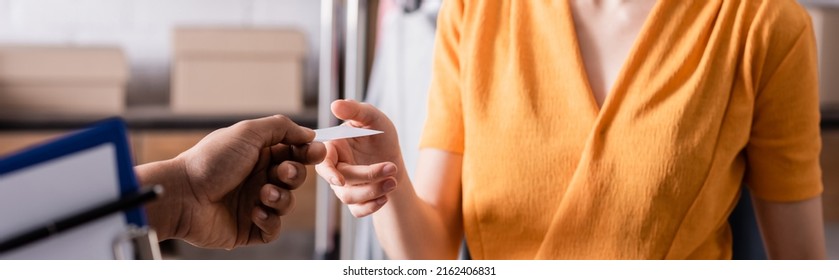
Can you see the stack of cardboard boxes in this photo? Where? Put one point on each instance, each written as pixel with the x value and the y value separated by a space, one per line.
pixel 237 71
pixel 62 80
pixel 234 71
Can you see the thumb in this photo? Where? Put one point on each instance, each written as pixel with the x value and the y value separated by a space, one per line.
pixel 359 114
pixel 269 131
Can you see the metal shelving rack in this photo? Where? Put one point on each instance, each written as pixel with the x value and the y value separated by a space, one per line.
pixel 343 54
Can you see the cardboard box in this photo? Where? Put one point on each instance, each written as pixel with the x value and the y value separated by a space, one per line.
pixel 237 71
pixel 64 80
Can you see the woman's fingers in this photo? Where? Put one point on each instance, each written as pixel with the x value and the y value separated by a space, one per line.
pixel 367 208
pixel 358 114
pixel 365 174
pixel 356 194
pixel 327 169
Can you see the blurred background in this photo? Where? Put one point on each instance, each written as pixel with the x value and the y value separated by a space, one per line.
pixel 177 69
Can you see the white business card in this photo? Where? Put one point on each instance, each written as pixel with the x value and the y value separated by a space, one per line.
pixel 342 132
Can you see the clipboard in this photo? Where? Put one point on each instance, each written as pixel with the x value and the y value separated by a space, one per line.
pixel 71 175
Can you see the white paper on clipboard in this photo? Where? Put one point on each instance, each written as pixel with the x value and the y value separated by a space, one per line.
pixel 40 193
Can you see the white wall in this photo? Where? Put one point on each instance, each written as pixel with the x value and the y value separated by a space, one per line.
pixel 143 28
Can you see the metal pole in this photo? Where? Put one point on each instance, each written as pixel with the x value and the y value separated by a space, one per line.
pixel 328 90
pixel 354 55
pixel 356 49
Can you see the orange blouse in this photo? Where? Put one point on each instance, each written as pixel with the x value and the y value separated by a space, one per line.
pixel 714 94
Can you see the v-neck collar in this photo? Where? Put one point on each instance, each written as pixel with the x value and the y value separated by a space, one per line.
pixel 629 64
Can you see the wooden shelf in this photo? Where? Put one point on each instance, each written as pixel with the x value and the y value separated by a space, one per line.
pixel 141 117
pixel 160 117
pixel 830 118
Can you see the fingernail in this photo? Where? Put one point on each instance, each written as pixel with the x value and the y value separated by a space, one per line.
pixel 382 200
pixel 389 169
pixel 273 195
pixel 334 181
pixel 292 172
pixel 389 186
pixel 261 214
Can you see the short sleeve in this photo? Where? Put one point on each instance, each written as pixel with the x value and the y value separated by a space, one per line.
pixel 785 140
pixel 444 123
